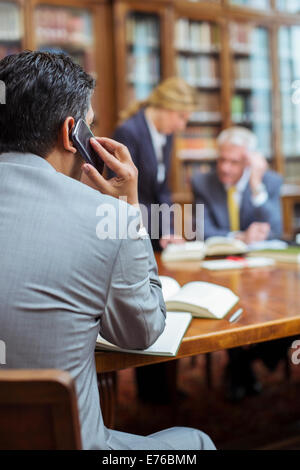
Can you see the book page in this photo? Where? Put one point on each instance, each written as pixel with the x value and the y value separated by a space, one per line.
pixel 168 342
pixel 169 286
pixel 217 300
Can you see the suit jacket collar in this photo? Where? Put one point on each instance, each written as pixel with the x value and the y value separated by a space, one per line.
pixel 146 137
pixel 145 133
pixel 245 207
pixel 220 201
pixel 27 159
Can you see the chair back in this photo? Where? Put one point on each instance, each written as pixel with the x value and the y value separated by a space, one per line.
pixel 38 410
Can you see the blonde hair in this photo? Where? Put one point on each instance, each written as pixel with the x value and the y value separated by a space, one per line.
pixel 173 93
pixel 240 136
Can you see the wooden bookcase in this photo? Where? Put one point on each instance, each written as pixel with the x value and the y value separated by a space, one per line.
pixel 134 55
pixel 251 86
pixel 79 28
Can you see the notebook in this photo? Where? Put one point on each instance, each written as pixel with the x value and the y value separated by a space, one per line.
pixel 239 263
pixel 166 345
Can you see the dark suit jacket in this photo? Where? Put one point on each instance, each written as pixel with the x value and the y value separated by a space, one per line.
pixel 134 133
pixel 208 190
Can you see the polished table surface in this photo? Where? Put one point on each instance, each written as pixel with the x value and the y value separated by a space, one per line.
pixel 269 296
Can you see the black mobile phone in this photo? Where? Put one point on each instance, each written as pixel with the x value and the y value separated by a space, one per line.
pixel 81 135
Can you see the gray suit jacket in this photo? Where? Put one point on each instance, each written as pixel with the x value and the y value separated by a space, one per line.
pixel 208 190
pixel 60 284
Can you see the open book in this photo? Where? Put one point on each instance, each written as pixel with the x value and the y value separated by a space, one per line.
pixel 197 250
pixel 291 254
pixel 168 342
pixel 202 299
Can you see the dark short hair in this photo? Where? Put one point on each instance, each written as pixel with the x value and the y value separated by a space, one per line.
pixel 42 90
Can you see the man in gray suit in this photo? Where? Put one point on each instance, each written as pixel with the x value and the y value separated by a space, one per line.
pixel 242 197
pixel 242 200
pixel 63 278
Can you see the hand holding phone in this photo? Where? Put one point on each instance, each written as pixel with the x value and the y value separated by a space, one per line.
pixel 81 136
pixel 116 156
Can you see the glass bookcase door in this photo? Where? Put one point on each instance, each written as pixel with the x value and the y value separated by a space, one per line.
pixel 251 105
pixel 197 45
pixel 289 6
pixel 143 54
pixel 11 28
pixel 68 30
pixel 258 4
pixel 289 63
pixel 206 1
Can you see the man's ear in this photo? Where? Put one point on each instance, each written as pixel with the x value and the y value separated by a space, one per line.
pixel 66 134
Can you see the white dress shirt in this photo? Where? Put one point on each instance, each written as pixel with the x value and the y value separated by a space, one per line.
pixel 258 200
pixel 159 141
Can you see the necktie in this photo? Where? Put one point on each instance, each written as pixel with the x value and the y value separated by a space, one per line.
pixel 233 210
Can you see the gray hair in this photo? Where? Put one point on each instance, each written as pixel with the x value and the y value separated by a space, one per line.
pixel 240 136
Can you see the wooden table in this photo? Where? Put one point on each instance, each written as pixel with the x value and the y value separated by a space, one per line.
pixel 270 298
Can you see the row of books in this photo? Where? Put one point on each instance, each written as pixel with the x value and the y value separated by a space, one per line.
pixel 10 22
pixel 291 6
pixel 208 108
pixel 290 112
pixel 143 30
pixel 289 37
pixel 254 72
pixel 292 170
pixel 197 36
pixel 253 109
pixel 197 143
pixel 263 133
pixel 290 141
pixel 63 25
pixel 208 102
pixel 259 4
pixel 206 116
pixel 289 71
pixel 246 39
pixel 201 71
pixel 143 67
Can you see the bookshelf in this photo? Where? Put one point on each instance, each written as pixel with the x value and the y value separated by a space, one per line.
pixel 197 60
pixel 251 103
pixel 289 64
pixel 65 29
pixel 82 29
pixel 142 40
pixel 11 28
pixel 143 54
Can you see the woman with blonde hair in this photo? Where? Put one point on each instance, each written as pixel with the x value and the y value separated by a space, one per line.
pixel 147 128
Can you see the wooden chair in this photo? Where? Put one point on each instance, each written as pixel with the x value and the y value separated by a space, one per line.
pixel 38 410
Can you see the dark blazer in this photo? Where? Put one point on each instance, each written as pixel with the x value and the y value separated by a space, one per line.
pixel 208 190
pixel 135 134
